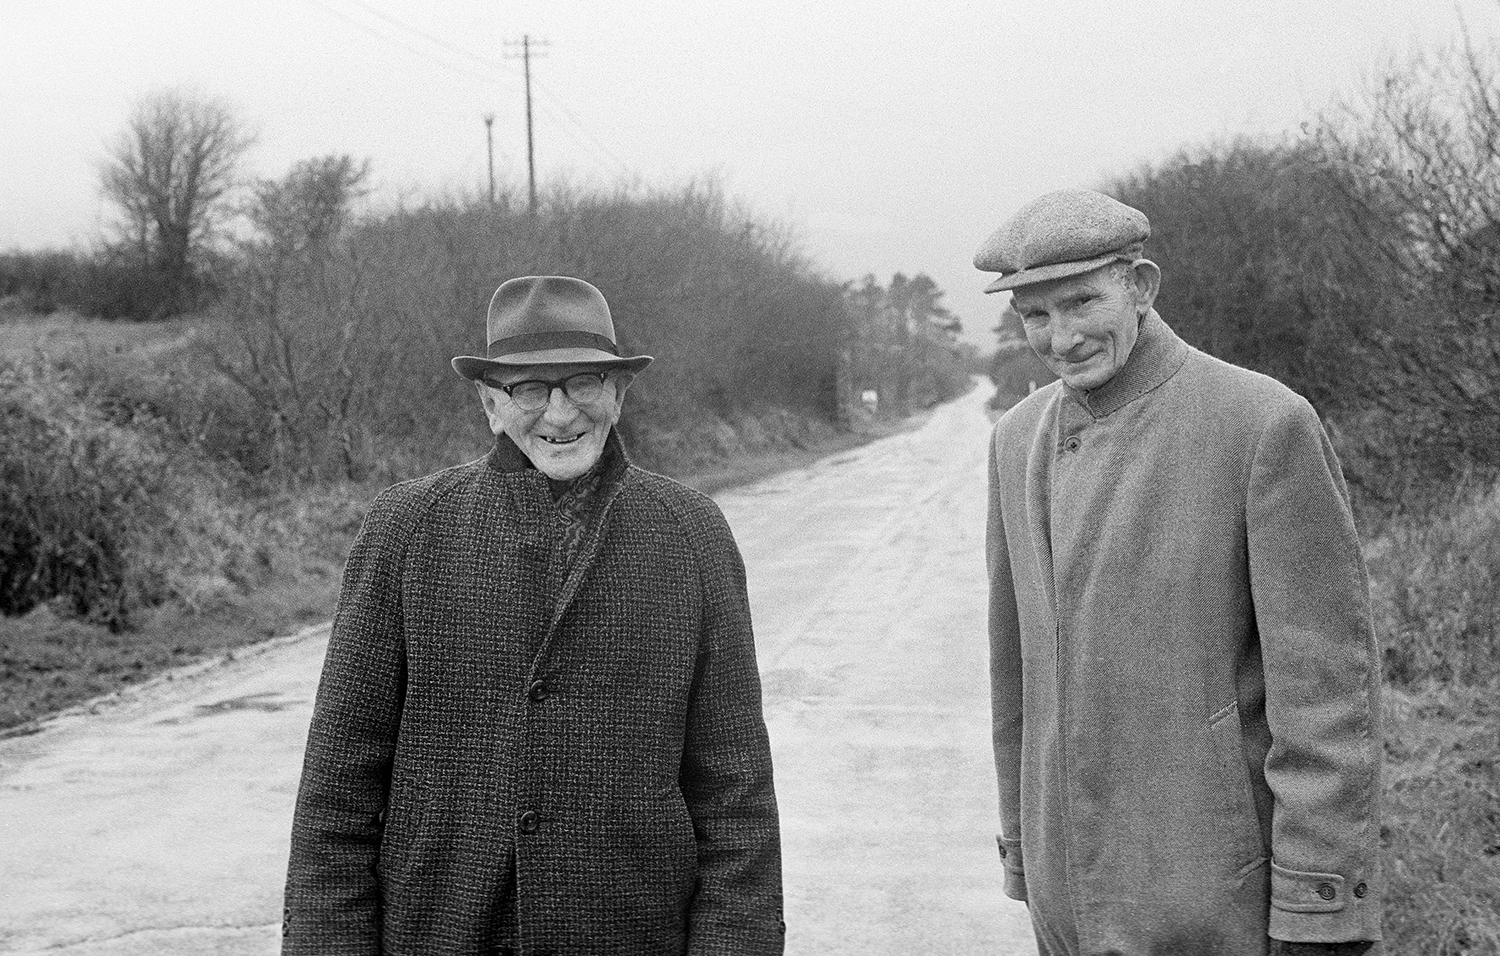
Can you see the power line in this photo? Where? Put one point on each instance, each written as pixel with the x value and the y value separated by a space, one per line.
pixel 334 11
pixel 556 101
pixel 555 104
pixel 482 61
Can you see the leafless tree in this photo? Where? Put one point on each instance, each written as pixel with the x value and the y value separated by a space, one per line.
pixel 298 304
pixel 169 173
pixel 304 211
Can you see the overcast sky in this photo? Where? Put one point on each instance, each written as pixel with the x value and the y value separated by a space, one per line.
pixel 892 135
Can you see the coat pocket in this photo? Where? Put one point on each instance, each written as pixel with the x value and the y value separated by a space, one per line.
pixel 403 819
pixel 1242 822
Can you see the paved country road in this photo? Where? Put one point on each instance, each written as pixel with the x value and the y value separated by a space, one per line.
pixel 156 821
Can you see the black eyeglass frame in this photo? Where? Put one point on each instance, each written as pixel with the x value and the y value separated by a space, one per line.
pixel 509 390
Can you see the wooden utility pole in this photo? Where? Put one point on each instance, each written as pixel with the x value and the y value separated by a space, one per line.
pixel 526 45
pixel 489 140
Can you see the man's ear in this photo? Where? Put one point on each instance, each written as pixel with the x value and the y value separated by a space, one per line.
pixel 622 379
pixel 1147 283
pixel 491 405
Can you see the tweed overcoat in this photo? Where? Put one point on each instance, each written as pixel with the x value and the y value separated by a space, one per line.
pixel 1185 680
pixel 597 728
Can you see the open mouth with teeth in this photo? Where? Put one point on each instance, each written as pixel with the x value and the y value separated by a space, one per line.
pixel 559 441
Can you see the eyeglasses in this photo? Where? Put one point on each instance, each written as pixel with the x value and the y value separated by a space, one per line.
pixel 534 394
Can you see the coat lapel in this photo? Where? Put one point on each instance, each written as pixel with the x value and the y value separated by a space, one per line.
pixel 616 475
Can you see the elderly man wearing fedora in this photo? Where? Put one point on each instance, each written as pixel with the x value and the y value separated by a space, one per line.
pixel 1184 675
pixel 539 725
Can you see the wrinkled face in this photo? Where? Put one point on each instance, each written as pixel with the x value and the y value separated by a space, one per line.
pixel 1084 327
pixel 563 439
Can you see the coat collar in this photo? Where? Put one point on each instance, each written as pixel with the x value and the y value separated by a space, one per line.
pixel 1157 356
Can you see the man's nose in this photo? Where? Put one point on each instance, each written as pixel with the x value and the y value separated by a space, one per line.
pixel 560 407
pixel 1065 338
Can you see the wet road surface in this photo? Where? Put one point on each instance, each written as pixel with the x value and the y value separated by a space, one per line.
pixel 156 822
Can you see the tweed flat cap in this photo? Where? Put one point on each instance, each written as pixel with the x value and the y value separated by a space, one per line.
pixel 1064 233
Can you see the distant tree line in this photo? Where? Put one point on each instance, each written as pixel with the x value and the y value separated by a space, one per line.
pixel 902 344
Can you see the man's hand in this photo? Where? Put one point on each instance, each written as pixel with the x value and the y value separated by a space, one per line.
pixel 1355 947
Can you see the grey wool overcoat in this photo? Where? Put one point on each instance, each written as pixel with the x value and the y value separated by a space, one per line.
pixel 1185 680
pixel 598 729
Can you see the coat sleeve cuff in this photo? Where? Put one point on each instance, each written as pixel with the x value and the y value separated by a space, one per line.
pixel 1014 867
pixel 1309 906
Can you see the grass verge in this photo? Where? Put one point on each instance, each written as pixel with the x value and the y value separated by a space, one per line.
pixel 48 662
pixel 1442 822
pixel 1435 586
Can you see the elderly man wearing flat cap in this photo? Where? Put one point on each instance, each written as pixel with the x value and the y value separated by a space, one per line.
pixel 539 725
pixel 1185 681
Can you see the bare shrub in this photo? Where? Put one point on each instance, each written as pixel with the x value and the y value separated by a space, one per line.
pixel 1418 152
pixel 102 519
pixel 349 359
pixel 1263 266
pixel 1283 258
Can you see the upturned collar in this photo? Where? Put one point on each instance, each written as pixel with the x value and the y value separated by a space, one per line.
pixel 1157 356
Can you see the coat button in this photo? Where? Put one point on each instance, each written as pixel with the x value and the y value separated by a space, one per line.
pixel 1072 443
pixel 529 821
pixel 1360 890
pixel 1327 891
pixel 537 691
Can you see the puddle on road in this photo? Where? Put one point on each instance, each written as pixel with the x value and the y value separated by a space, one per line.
pixel 269 702
pixel 789 684
pixel 753 491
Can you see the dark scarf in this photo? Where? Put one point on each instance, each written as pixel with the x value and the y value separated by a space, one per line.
pixel 575 498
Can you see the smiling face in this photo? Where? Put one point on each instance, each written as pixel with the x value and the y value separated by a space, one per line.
pixel 563 439
pixel 1085 326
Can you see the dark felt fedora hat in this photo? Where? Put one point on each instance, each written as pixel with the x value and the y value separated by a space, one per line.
pixel 548 320
pixel 1064 233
